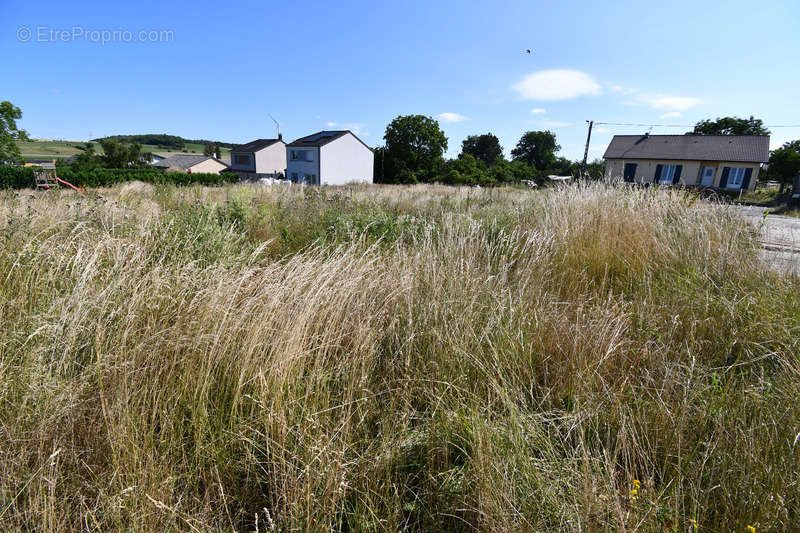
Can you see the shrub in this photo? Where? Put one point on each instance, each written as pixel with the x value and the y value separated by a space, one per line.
pixel 16 177
pixel 23 177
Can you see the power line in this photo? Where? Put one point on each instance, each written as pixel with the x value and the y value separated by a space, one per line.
pixel 685 125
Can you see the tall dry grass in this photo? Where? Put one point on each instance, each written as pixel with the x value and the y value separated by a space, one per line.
pixel 392 358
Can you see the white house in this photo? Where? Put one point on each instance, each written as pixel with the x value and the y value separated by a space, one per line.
pixel 262 158
pixel 329 158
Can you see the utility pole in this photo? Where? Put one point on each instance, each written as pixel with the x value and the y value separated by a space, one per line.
pixel 586 151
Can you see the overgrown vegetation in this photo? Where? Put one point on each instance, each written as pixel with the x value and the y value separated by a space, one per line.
pixel 423 358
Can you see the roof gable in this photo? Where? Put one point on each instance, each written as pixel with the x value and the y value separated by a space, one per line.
pixel 744 148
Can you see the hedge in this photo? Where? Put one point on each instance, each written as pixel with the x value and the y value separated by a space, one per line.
pixel 22 177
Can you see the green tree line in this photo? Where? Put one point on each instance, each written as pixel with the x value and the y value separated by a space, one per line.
pixel 173 142
pixel 415 146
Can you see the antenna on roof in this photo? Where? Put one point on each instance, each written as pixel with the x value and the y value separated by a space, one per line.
pixel 277 125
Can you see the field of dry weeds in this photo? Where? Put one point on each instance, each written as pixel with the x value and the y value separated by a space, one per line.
pixel 422 358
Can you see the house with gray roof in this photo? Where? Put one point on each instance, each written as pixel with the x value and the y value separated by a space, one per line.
pixel 728 162
pixel 333 157
pixel 193 164
pixel 262 158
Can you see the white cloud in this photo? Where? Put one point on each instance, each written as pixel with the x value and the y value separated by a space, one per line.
pixel 668 103
pixel 556 85
pixel 538 111
pixel 356 127
pixel 601 130
pixel 671 103
pixel 451 117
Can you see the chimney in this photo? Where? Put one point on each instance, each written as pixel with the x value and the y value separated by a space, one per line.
pixel 647 134
pixel 280 136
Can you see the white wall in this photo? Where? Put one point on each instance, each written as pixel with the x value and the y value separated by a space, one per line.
pixel 271 159
pixel 346 160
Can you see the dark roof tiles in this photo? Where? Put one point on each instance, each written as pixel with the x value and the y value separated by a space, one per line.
pixel 320 138
pixel 743 148
pixel 255 146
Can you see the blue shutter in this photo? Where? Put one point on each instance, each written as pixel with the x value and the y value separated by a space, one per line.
pixel 659 168
pixel 748 173
pixel 723 181
pixel 677 177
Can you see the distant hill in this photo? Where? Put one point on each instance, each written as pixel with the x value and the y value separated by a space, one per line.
pixel 164 141
pixel 47 150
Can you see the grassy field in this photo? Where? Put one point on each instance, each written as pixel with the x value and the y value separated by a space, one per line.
pixel 37 149
pixel 393 358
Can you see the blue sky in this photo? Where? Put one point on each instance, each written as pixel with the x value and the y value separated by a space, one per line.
pixel 334 65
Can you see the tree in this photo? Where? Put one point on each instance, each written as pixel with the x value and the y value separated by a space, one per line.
pixel 784 163
pixel 86 160
pixel 596 169
pixel 9 133
pixel 217 151
pixel 730 126
pixel 537 148
pixel 484 147
pixel 562 166
pixel 208 149
pixel 118 155
pixel 466 170
pixel 414 148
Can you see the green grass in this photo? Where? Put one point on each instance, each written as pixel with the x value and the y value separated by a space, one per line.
pixel 190 148
pixel 761 196
pixel 38 149
pixel 392 359
pixel 786 211
pixel 48 149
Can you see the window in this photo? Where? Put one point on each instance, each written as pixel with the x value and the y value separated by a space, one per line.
pixel 294 177
pixel 735 178
pixel 301 155
pixel 241 159
pixel 667 173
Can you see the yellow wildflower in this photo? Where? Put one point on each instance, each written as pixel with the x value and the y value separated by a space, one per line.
pixel 751 529
pixel 694 523
pixel 637 483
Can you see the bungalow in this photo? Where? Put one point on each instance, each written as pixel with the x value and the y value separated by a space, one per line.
pixel 262 158
pixel 727 162
pixel 192 164
pixel 329 158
